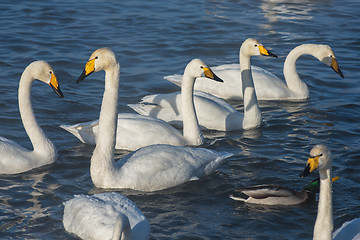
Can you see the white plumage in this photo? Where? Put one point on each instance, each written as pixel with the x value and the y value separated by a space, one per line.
pixel 213 113
pixel 151 168
pixel 13 157
pixel 105 216
pixel 267 85
pixel 135 131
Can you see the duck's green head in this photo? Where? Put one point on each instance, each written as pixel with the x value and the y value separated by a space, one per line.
pixel 314 186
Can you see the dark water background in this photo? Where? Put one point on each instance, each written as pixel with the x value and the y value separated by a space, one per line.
pixel 157 38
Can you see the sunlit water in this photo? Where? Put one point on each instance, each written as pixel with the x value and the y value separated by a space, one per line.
pixel 157 38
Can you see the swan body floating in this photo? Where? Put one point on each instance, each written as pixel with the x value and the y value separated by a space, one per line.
pixel 13 157
pixel 279 195
pixel 135 131
pixel 267 85
pixel 321 158
pixel 213 113
pixel 105 216
pixel 150 168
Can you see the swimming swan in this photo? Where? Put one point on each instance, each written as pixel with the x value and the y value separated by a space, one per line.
pixel 267 85
pixel 150 168
pixel 135 131
pixel 278 195
pixel 213 113
pixel 13 157
pixel 107 215
pixel 320 157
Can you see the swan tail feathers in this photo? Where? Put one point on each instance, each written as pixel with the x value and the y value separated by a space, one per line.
pixel 144 108
pixel 212 166
pixel 85 132
pixel 176 79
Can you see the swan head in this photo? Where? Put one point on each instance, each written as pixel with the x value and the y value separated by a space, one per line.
pixel 101 59
pixel 320 158
pixel 326 55
pixel 197 68
pixel 252 47
pixel 42 71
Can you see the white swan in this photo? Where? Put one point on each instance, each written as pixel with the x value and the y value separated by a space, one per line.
pixel 13 157
pixel 267 85
pixel 105 216
pixel 320 157
pixel 213 113
pixel 135 131
pixel 278 195
pixel 151 168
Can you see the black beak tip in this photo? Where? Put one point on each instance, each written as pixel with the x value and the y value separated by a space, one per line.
pixel 272 55
pixel 306 172
pixel 81 77
pixel 57 91
pixel 341 74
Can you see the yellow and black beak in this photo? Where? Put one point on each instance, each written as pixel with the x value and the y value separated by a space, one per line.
pixel 54 84
pixel 335 67
pixel 265 52
pixel 311 165
pixel 210 74
pixel 89 69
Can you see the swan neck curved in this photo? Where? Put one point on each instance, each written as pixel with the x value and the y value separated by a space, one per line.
pixel 191 129
pixel 324 221
pixel 102 161
pixel 252 113
pixel 122 228
pixel 41 144
pixel 293 81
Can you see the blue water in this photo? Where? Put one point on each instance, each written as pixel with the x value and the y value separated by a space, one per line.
pixel 157 38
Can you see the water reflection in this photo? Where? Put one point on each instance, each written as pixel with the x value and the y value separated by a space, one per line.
pixel 32 184
pixel 275 10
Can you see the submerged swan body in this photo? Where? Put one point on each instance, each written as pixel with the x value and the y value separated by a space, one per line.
pixel 278 195
pixel 321 158
pixel 13 157
pixel 135 131
pixel 151 168
pixel 105 216
pixel 212 112
pixel 267 85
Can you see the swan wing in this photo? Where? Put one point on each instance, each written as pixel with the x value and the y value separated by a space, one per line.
pixel 15 158
pixel 133 132
pixel 212 112
pixel 349 230
pixel 267 85
pixel 94 216
pixel 159 167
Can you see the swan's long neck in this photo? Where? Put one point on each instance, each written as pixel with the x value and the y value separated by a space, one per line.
pixel 122 229
pixel 43 147
pixel 102 161
pixel 191 129
pixel 252 113
pixel 293 81
pixel 324 221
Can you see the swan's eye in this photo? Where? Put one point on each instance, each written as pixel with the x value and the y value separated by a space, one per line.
pixel 320 155
pixel 50 72
pixel 255 45
pixel 201 67
pixel 96 57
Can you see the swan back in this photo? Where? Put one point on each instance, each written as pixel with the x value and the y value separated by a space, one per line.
pixel 103 216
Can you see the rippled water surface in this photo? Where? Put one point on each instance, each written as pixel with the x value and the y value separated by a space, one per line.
pixel 157 38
